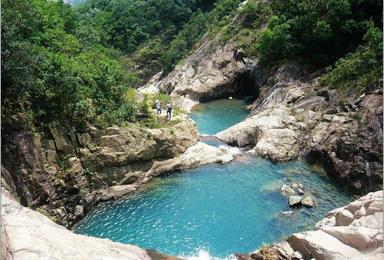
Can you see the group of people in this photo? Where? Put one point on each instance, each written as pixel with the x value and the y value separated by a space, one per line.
pixel 168 107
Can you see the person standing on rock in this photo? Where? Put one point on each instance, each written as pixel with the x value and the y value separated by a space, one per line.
pixel 169 111
pixel 158 107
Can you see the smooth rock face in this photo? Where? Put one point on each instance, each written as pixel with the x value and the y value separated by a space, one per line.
pixel 320 245
pixel 208 73
pixel 27 234
pixel 356 235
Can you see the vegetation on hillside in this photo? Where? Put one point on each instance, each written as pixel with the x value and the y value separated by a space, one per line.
pixel 51 73
pixel 79 64
pixel 343 34
pixel 155 34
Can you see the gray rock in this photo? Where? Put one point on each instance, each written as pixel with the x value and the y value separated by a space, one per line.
pixel 321 245
pixel 360 239
pixel 206 74
pixel 273 133
pixel 295 186
pixel 300 191
pixel 357 234
pixel 344 218
pixel 307 201
pixel 294 200
pixel 199 154
pixel 287 213
pixel 286 190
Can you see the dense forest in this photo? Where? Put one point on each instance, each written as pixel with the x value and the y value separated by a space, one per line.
pixel 80 64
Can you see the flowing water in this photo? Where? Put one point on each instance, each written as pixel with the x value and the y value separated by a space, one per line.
pixel 215 209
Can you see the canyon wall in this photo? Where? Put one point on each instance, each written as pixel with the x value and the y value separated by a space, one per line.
pixel 63 173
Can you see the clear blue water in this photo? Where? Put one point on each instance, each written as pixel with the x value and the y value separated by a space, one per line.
pixel 220 209
pixel 215 116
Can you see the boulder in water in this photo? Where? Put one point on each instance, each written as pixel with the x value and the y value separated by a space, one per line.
pixel 294 200
pixel 307 201
pixel 295 186
pixel 286 190
pixel 288 213
pixel 300 191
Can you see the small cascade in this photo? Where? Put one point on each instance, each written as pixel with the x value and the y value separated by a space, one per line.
pixel 271 97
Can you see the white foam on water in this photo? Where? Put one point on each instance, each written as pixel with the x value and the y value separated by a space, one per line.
pixel 230 149
pixel 203 254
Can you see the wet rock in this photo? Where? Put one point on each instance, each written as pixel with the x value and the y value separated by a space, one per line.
pixel 243 257
pixel 307 201
pixel 345 147
pixel 265 253
pixel 300 191
pixel 154 255
pixel 294 200
pixel 289 213
pixel 295 186
pixel 286 190
pixel 112 192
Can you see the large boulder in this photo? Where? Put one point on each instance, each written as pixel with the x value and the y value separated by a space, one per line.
pixel 286 190
pixel 358 235
pixel 197 155
pixel 307 201
pixel 119 146
pixel 273 133
pixel 321 246
pixel 27 234
pixel 353 231
pixel 294 200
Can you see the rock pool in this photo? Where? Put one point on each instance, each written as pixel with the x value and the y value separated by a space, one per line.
pixel 215 116
pixel 217 209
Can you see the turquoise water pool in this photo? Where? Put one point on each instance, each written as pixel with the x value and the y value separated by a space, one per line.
pixel 217 209
pixel 215 116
